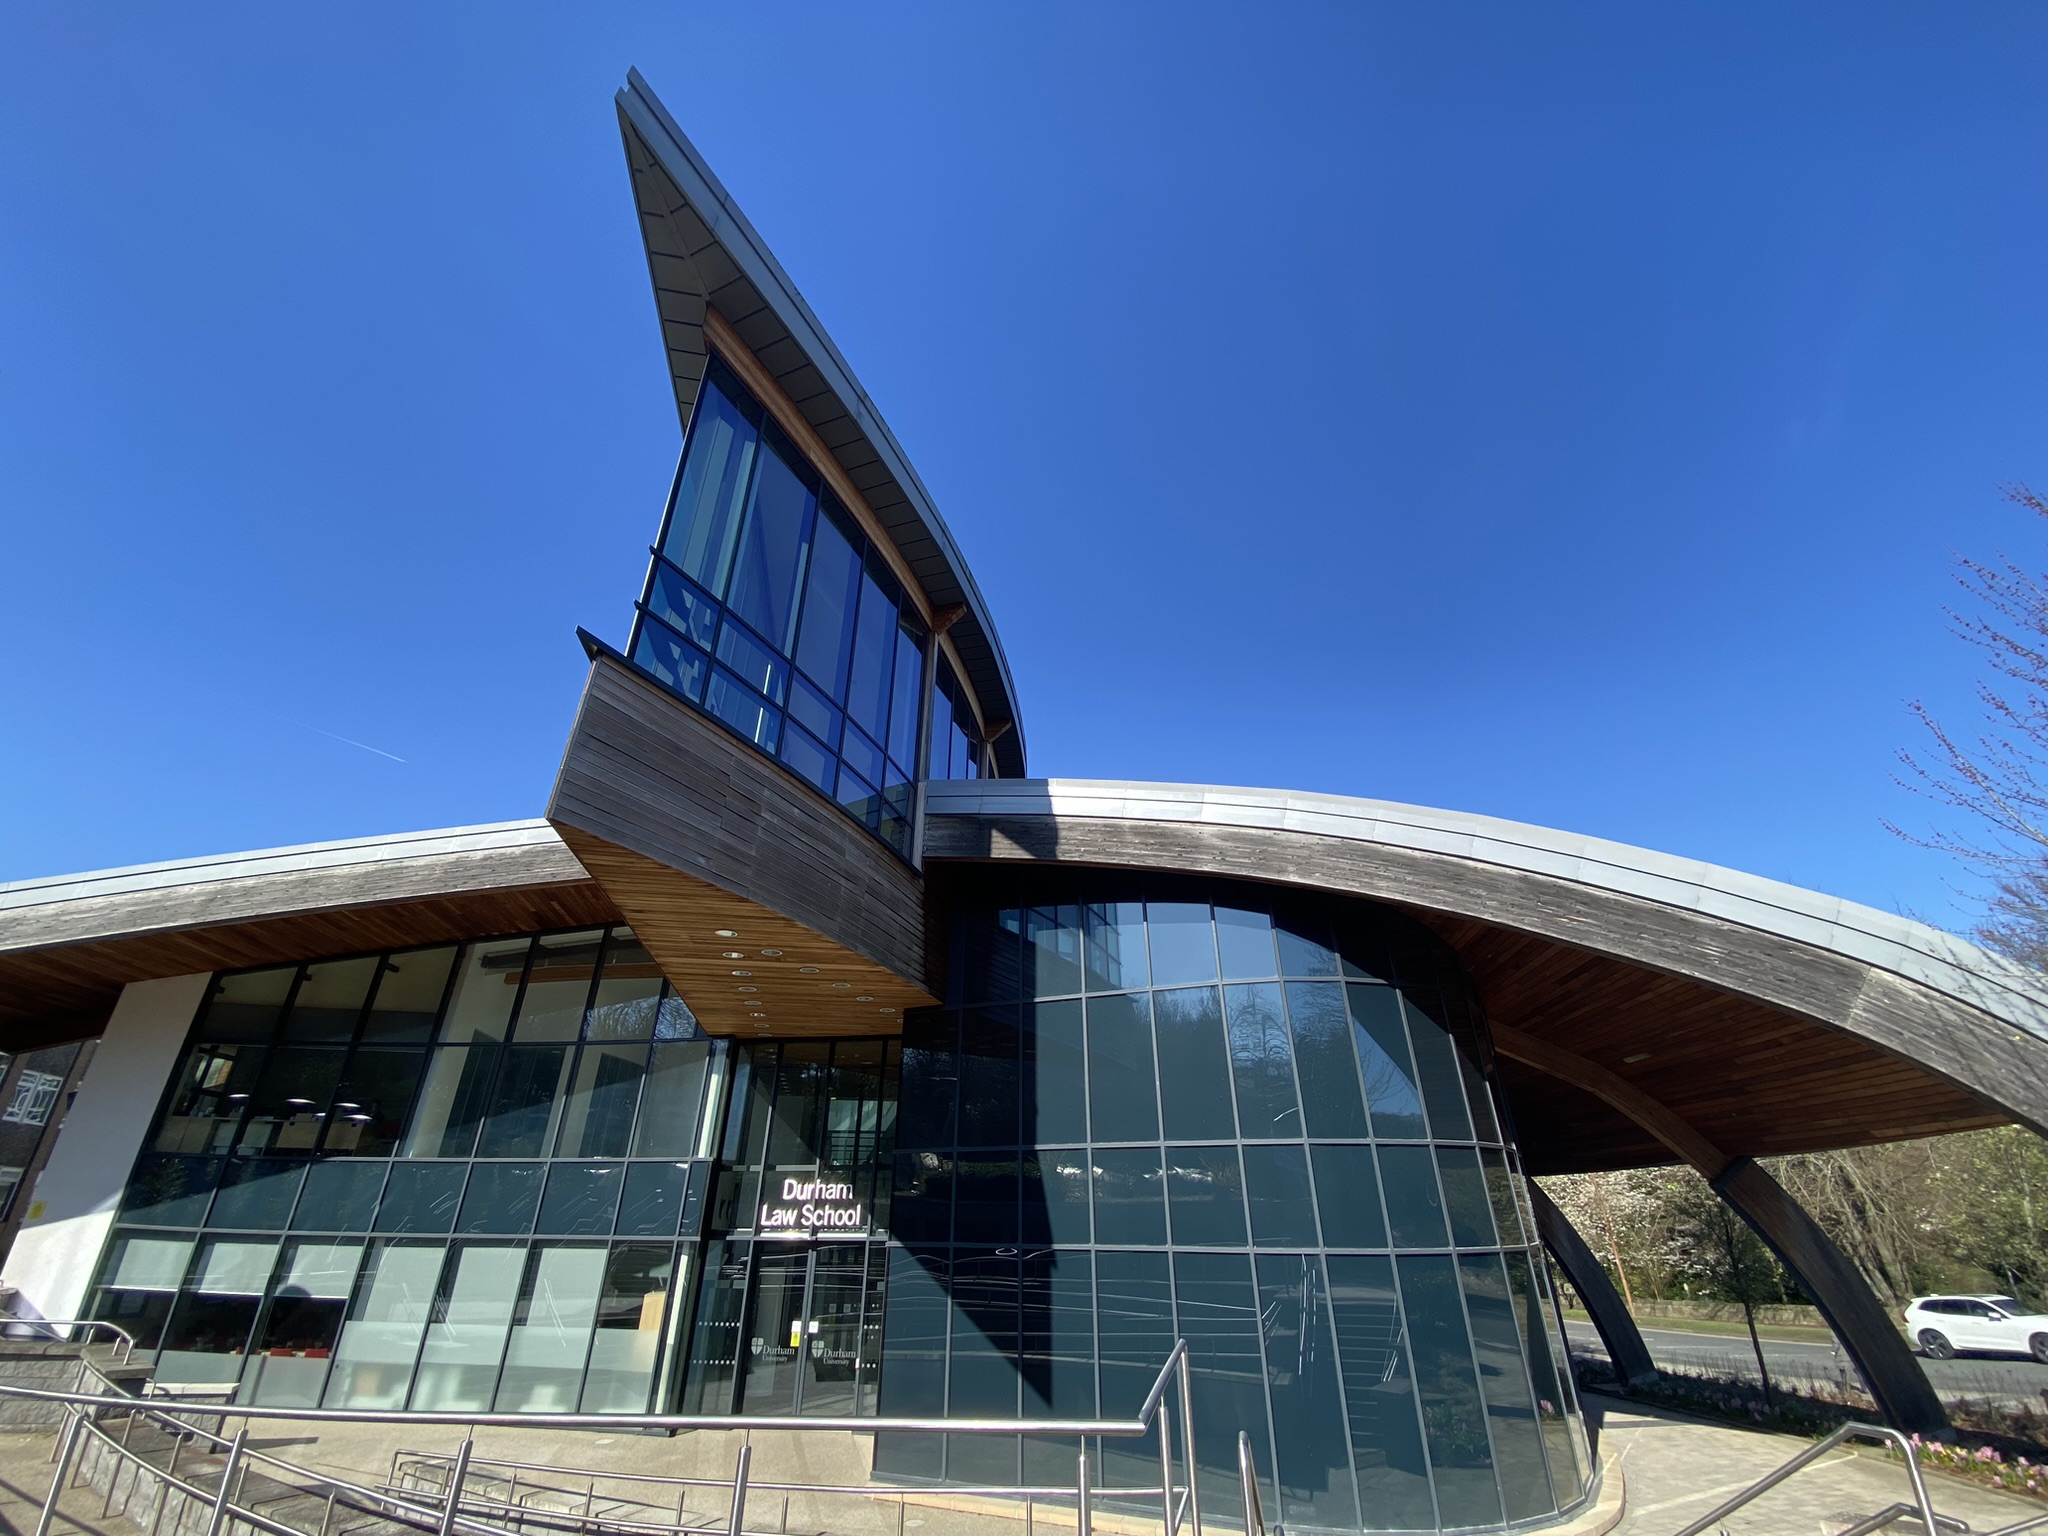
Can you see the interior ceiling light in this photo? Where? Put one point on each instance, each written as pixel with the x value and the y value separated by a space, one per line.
pixel 807 970
pixel 734 954
pixel 773 954
pixel 863 998
pixel 743 973
pixel 750 989
pixel 1639 1056
pixel 844 986
pixel 723 933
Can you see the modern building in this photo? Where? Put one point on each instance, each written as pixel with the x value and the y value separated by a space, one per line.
pixel 808 1057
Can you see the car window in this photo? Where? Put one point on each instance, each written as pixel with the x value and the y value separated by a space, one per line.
pixel 1977 1309
pixel 2007 1303
pixel 1944 1308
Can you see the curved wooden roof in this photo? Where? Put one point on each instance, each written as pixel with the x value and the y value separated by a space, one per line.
pixel 1763 1018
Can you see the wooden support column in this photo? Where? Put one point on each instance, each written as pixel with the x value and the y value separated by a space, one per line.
pixel 1617 1326
pixel 1844 1297
pixel 1837 1287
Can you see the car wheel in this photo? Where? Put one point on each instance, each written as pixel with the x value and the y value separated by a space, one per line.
pixel 1936 1344
pixel 2039 1345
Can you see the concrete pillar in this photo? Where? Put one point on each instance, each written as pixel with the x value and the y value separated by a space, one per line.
pixel 1625 1346
pixel 72 1207
pixel 1867 1331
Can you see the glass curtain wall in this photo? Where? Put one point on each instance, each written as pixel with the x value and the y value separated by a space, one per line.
pixel 769 609
pixel 465 1177
pixel 1159 1111
pixel 957 750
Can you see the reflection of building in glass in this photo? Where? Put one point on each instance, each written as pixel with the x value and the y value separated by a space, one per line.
pixel 810 1059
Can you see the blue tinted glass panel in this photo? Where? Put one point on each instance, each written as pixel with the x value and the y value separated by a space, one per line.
pixel 859 797
pixel 654 1199
pixel 808 758
pixel 1245 942
pixel 811 710
pixel 1452 1416
pixel 704 523
pixel 985 1198
pixel 1122 1101
pixel 904 696
pixel 1314 1465
pixel 1415 1210
pixel 258 1195
pixel 874 656
pixel 1205 1194
pixel 1115 956
pixel 942 735
pixel 1055 1080
pixel 1194 1064
pixel 1323 1059
pixel 824 646
pixel 1062 1182
pixel 1219 1318
pixel 1348 1197
pixel 863 757
pixel 1379 1393
pixel 339 1197
pixel 1052 949
pixel 673 599
pixel 421 1197
pixel 1130 1197
pixel 1277 1190
pixel 1262 1063
pixel 670 659
pixel 1183 942
pixel 931 1080
pixel 1436 1069
pixel 501 1197
pixel 1504 1387
pixel 771 547
pixel 581 1198
pixel 752 662
pixel 1465 1197
pixel 1134 1334
pixel 743 709
pixel 989 1048
pixel 1304 950
pixel 1382 1043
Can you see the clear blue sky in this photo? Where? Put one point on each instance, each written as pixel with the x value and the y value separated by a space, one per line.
pixel 1563 413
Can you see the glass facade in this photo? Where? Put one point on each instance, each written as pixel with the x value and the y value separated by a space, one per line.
pixel 1154 1110
pixel 514 1175
pixel 452 1178
pixel 769 609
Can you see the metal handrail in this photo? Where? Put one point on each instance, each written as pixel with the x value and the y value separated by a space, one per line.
pixel 1248 1479
pixel 127 1339
pixel 1806 1458
pixel 1154 1411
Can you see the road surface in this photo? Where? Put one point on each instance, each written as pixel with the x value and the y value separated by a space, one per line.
pixel 1996 1377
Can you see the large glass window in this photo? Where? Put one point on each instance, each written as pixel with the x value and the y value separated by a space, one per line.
pixel 767 607
pixel 1160 1109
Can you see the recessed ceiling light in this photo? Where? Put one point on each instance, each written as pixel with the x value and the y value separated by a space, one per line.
pixel 773 954
pixel 864 998
pixel 1639 1056
pixel 807 970
pixel 734 954
pixel 750 989
pixel 743 973
pixel 886 1010
pixel 723 933
pixel 844 986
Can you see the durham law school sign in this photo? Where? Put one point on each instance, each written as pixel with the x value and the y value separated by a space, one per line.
pixel 808 1207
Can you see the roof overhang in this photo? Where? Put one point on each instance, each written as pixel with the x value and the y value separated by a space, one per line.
pixel 702 252
pixel 1766 1018
pixel 69 944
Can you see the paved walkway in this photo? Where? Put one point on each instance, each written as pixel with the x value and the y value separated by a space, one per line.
pixel 1678 1468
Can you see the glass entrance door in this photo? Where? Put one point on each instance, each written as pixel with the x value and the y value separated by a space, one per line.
pixel 804 1336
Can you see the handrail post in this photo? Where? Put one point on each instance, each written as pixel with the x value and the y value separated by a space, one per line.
pixel 227 1482
pixel 67 1448
pixel 1164 1424
pixel 1248 1477
pixel 739 1490
pixel 456 1475
pixel 1187 1444
pixel 1085 1523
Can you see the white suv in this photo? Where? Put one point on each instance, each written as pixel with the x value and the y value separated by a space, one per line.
pixel 1942 1325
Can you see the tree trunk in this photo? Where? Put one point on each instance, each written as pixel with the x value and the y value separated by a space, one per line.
pixel 1749 1317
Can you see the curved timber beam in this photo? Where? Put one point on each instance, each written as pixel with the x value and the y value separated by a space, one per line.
pixel 1836 1286
pixel 1611 1316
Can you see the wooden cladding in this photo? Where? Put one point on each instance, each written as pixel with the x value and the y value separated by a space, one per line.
pixel 692 831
